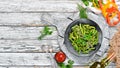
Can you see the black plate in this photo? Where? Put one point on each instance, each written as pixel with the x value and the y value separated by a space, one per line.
pixel 68 30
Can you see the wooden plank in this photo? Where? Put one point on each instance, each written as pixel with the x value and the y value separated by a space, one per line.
pixel 54 6
pixel 27 60
pixel 35 18
pixel 19 18
pixel 26 46
pixel 3 67
pixel 30 67
pixel 24 33
pixel 50 67
pixel 10 5
pixel 59 0
pixel 24 59
pixel 14 6
pixel 24 39
pixel 38 19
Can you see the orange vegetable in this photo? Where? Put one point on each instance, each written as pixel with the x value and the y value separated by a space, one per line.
pixel 114 22
pixel 110 11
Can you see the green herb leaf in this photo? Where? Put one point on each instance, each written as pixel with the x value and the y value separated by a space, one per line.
pixel 91 0
pixel 61 65
pixel 96 2
pixel 82 12
pixel 46 31
pixel 70 62
pixel 86 2
pixel 69 65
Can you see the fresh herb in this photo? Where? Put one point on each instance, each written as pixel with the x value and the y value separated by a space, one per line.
pixel 94 3
pixel 46 31
pixel 83 38
pixel 62 65
pixel 69 64
pixel 86 2
pixel 82 12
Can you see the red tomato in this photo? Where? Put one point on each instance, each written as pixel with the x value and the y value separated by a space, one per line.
pixel 60 57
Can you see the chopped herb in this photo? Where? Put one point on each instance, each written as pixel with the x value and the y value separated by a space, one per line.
pixel 46 31
pixel 86 2
pixel 95 3
pixel 61 65
pixel 82 11
pixel 69 64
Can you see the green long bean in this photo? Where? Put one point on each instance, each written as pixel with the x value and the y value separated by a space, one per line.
pixel 84 38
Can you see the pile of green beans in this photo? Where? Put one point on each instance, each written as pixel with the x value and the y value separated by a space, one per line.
pixel 84 38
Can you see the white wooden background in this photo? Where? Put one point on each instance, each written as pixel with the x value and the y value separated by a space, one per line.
pixel 19 47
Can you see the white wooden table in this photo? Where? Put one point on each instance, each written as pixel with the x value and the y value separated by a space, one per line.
pixel 19 47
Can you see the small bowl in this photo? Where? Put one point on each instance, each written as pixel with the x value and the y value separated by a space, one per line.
pixel 68 44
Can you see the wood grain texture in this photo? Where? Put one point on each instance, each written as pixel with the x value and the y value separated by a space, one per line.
pixel 24 59
pixel 28 60
pixel 31 67
pixel 52 6
pixel 10 6
pixel 2 67
pixel 26 46
pixel 25 39
pixel 23 33
pixel 37 6
pixel 19 47
pixel 38 19
pixel 50 67
pixel 35 18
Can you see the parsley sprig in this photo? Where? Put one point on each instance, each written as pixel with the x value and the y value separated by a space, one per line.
pixel 46 31
pixel 69 64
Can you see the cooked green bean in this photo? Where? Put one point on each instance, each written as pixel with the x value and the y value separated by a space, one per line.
pixel 84 38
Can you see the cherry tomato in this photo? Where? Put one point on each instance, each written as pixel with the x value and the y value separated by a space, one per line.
pixel 60 57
